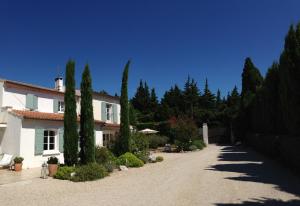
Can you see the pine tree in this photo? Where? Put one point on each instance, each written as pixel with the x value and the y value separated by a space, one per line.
pixel 87 138
pixel 70 118
pixel 124 126
pixel 191 96
pixel 218 99
pixel 208 98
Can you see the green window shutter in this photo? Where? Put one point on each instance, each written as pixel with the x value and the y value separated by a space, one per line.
pixel 115 113
pixel 35 102
pixel 61 140
pixel 39 141
pixel 29 101
pixel 55 105
pixel 103 111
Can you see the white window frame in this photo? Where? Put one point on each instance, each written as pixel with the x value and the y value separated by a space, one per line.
pixel 61 106
pixel 52 151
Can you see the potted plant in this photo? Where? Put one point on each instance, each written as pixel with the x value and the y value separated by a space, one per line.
pixel 18 163
pixel 52 165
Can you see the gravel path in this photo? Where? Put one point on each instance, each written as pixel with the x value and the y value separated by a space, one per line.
pixel 218 175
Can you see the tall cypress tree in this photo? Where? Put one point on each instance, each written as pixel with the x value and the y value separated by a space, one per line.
pixel 289 70
pixel 87 138
pixel 124 140
pixel 70 117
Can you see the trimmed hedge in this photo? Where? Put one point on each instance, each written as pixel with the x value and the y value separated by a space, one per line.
pixel 283 148
pixel 64 173
pixel 89 172
pixel 130 160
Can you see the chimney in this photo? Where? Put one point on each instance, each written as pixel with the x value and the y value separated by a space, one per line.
pixel 59 84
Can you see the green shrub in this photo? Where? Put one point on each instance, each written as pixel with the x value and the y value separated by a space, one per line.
pixel 138 142
pixel 143 155
pixel 193 147
pixel 185 130
pixel 89 172
pixel 159 159
pixel 157 141
pixel 199 144
pixel 130 160
pixel 52 160
pixel 106 158
pixel 64 173
pixel 182 146
pixel 18 160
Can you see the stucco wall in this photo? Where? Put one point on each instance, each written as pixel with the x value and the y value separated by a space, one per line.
pixel 28 137
pixel 28 142
pixel 16 98
pixel 1 93
pixel 10 136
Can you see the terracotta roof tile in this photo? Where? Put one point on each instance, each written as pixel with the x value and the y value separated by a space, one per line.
pixel 53 117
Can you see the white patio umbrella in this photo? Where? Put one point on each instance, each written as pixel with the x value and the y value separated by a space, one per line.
pixel 148 131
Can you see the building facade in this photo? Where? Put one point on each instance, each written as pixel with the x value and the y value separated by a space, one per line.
pixel 31 120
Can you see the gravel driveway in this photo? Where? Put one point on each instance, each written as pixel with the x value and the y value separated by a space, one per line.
pixel 218 175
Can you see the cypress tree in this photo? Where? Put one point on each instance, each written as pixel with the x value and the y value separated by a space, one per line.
pixel 87 138
pixel 289 70
pixel 70 117
pixel 124 126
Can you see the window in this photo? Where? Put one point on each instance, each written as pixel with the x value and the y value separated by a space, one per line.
pixel 108 112
pixel 61 106
pixel 108 138
pixel 49 140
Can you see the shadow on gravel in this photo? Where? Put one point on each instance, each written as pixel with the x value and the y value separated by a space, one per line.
pixel 253 167
pixel 263 202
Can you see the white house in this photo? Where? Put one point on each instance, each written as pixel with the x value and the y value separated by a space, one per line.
pixel 31 120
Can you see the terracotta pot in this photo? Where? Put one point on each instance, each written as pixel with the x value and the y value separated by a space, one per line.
pixel 18 167
pixel 52 169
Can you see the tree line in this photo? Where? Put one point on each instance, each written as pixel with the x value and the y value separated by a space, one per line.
pixel 269 104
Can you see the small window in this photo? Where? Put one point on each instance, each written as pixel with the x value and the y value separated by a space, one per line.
pixel 108 139
pixel 49 140
pixel 108 112
pixel 61 106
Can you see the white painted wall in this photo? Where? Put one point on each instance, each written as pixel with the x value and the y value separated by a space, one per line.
pixel 28 137
pixel 10 136
pixel 1 93
pixel 16 98
pixel 28 141
pixel 97 109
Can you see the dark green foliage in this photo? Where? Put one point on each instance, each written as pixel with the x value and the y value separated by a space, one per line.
pixel 142 155
pixel 199 144
pixel 130 160
pixel 208 100
pixel 124 139
pixel 138 142
pixel 172 104
pixel 70 117
pixel 52 160
pixel 18 160
pixel 87 138
pixel 185 130
pixel 64 173
pixel 193 147
pixel 289 72
pixel 105 157
pixel 159 159
pixel 89 172
pixel 191 97
pixel 132 115
pixel 157 141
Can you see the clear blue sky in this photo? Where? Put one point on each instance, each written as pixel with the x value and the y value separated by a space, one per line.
pixel 166 40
